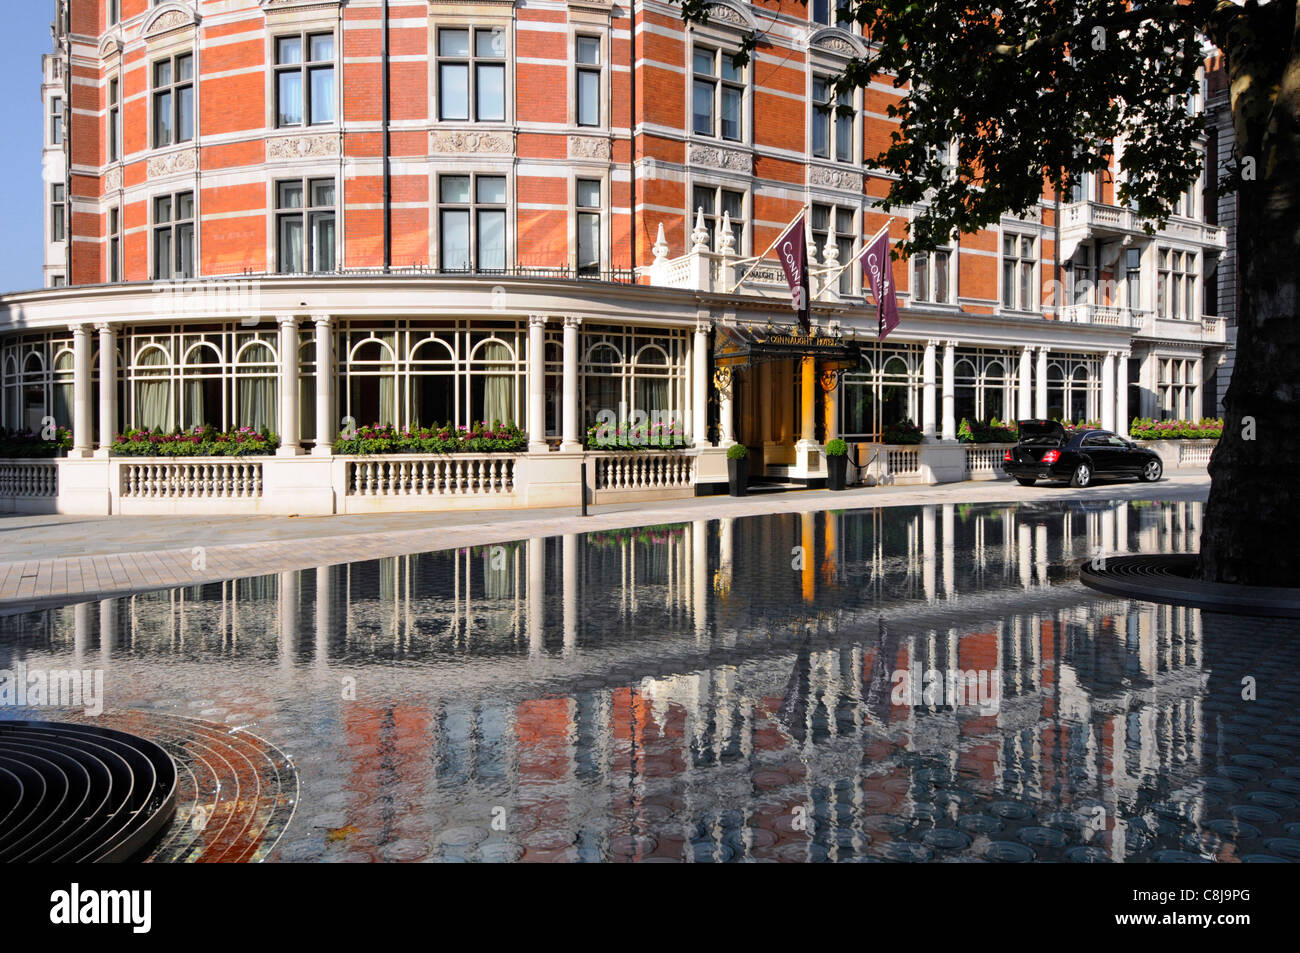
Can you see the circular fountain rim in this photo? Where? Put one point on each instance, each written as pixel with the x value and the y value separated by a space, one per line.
pixel 1168 578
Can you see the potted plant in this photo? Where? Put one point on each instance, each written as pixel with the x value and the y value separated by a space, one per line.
pixel 738 468
pixel 837 462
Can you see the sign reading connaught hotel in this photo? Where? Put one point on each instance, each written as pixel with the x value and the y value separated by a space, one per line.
pixel 313 219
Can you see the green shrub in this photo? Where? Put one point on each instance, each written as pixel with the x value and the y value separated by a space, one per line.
pixel 482 437
pixel 1144 428
pixel 837 448
pixel 202 441
pixel 30 443
pixel 737 451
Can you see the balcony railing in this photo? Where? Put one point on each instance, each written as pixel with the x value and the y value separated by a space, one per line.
pixel 1100 314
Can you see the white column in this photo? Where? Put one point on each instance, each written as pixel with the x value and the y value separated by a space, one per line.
pixel 1121 395
pixel 83 439
pixel 949 392
pixel 570 441
pixel 570 568
pixel 536 596
pixel 1024 410
pixel 289 443
pixel 1196 411
pixel 1040 386
pixel 700 386
pixel 107 388
pixel 832 409
pixel 807 407
pixel 537 383
pixel 726 410
pixel 927 392
pixel 1108 391
pixel 326 379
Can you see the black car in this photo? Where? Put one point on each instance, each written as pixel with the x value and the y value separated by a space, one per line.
pixel 1047 451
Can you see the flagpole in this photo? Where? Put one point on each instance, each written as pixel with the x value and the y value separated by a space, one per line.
pixel 779 236
pixel 853 260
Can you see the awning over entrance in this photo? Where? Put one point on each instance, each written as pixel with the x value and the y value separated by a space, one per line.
pixel 744 346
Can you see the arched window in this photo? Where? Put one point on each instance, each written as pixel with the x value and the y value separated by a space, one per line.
pixel 256 398
pixel 64 363
pixel 306 388
pixel 12 394
pixel 202 387
pixel 432 383
pixel 895 392
pixel 857 400
pixel 994 391
pixel 603 384
pixel 964 403
pixel 154 407
pixel 494 373
pixel 1055 392
pixel 650 385
pixel 1079 394
pixel 555 388
pixel 372 382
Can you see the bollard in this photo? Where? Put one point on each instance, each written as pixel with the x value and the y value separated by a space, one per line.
pixel 583 485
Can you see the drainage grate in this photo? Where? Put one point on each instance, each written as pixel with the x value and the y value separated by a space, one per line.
pixel 77 793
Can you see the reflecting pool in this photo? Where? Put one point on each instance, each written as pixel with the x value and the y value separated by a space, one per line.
pixel 921 684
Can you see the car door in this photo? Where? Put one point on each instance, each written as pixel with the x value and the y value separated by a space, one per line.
pixel 1099 451
pixel 1126 459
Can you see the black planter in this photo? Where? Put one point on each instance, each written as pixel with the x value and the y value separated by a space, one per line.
pixel 836 468
pixel 738 476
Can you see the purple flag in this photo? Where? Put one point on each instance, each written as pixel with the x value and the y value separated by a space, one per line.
pixel 878 269
pixel 792 248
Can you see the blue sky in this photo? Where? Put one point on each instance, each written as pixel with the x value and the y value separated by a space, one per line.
pixel 25 37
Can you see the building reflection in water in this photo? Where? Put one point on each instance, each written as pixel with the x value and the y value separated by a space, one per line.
pixel 708 690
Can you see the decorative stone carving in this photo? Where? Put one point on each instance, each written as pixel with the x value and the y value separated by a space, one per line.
pixel 724 159
pixel 172 163
pixel 167 21
pixel 835 178
pixel 725 14
pixel 472 143
pixel 588 147
pixel 302 147
pixel 113 179
pixel 836 44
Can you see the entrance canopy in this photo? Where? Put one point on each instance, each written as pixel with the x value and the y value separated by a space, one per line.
pixel 737 347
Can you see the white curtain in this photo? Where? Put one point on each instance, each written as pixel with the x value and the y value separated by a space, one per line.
pixel 153 393
pixel 257 402
pixel 498 387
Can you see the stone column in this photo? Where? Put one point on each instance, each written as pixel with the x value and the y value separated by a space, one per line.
pixel 570 569
pixel 326 379
pixel 536 596
pixel 1121 395
pixel 765 401
pixel 289 443
pixel 537 383
pixel 726 414
pixel 949 391
pixel 1108 391
pixel 1197 411
pixel 1040 386
pixel 807 407
pixel 700 386
pixel 1024 410
pixel 927 391
pixel 83 438
pixel 832 409
pixel 107 388
pixel 570 439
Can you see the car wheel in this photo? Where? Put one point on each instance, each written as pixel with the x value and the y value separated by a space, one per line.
pixel 1025 481
pixel 1151 472
pixel 1082 475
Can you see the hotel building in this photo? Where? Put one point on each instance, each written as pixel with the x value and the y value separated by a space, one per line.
pixel 304 215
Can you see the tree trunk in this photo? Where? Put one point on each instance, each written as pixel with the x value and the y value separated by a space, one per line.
pixel 1251 533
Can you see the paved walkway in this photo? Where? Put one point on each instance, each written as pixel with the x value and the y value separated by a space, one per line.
pixel 58 559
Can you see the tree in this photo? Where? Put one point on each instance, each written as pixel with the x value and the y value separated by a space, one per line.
pixel 1037 92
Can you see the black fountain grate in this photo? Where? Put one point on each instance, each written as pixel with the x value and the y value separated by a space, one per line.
pixel 76 793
